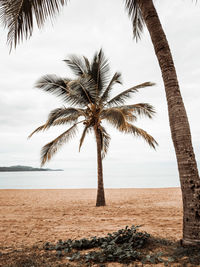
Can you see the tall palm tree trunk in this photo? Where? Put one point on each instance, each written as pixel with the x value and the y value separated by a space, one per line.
pixel 100 190
pixel 180 129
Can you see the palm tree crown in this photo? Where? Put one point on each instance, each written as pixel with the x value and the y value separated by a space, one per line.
pixel 89 95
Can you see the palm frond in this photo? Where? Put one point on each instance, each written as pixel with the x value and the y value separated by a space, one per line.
pixel 58 121
pixel 87 64
pixel 85 130
pixel 77 65
pixel 83 91
pixel 141 109
pixel 19 16
pixel 115 117
pixel 72 113
pixel 64 121
pixel 53 84
pixel 134 12
pixel 130 128
pixel 40 128
pixel 127 114
pixel 115 79
pixel 105 140
pixel 120 98
pixel 100 71
pixel 51 148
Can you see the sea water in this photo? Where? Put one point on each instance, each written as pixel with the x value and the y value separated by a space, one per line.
pixel 87 179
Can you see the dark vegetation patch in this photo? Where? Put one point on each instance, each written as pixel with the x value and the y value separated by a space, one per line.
pixel 187 255
pixel 128 246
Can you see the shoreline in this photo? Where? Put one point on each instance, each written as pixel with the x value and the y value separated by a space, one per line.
pixel 93 188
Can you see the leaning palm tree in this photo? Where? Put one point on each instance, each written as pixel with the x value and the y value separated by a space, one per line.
pixel 89 95
pixel 18 16
pixel 143 12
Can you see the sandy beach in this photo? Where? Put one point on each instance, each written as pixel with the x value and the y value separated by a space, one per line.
pixel 29 217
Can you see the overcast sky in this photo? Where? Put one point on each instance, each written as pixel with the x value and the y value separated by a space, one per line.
pixel 82 28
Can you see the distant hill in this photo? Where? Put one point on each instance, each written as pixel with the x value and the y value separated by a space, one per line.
pixel 19 168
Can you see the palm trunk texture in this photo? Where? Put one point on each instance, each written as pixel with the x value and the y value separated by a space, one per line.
pixel 100 190
pixel 180 129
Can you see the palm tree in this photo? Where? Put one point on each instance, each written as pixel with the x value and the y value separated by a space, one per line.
pixel 18 16
pixel 89 95
pixel 143 12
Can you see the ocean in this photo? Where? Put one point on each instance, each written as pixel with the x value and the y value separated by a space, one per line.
pixel 81 179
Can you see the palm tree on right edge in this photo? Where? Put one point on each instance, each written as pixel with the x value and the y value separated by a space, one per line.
pixel 143 12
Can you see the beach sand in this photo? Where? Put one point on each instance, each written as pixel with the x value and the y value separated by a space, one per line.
pixel 29 217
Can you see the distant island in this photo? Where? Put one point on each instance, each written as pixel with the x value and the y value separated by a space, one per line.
pixel 19 168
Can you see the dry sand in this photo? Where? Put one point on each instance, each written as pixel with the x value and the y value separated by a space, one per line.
pixel 29 217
